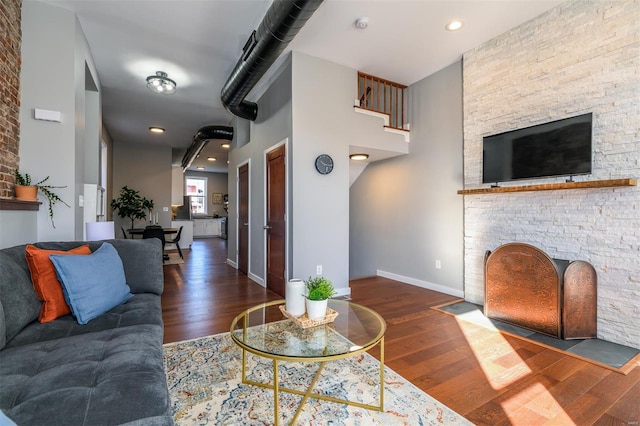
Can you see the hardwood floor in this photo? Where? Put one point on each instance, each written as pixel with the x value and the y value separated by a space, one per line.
pixel 489 378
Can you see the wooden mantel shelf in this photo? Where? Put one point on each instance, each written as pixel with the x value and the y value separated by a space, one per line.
pixel 13 204
pixel 552 186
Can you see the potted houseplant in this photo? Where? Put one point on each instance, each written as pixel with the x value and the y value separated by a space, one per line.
pixel 319 290
pixel 131 205
pixel 26 190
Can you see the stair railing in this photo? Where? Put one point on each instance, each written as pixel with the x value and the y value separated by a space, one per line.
pixel 383 96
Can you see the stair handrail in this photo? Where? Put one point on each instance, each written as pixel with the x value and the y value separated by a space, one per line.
pixel 383 96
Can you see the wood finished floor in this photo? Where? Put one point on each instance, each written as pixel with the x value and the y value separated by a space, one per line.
pixel 489 378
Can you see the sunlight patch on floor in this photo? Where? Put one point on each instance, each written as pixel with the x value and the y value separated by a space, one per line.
pixel 495 355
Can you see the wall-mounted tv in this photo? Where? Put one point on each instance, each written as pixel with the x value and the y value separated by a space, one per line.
pixel 558 148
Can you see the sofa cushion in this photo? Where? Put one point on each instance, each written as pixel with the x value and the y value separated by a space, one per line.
pixel 107 377
pixel 142 260
pixel 19 300
pixel 92 284
pixel 45 282
pixel 144 308
pixel 3 328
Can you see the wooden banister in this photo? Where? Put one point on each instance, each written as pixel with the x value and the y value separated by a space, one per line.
pixel 383 96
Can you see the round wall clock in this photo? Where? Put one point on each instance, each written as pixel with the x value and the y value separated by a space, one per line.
pixel 324 164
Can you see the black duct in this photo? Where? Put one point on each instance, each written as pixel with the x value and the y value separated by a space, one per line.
pixel 201 139
pixel 279 26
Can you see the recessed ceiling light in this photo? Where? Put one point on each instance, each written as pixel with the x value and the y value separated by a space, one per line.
pixel 226 145
pixel 211 158
pixel 156 129
pixel 359 157
pixel 200 168
pixel 454 25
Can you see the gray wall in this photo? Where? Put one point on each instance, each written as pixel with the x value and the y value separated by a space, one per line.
pixel 54 48
pixel 151 177
pixel 272 126
pixel 405 212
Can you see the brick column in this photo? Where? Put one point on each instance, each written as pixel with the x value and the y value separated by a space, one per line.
pixel 10 61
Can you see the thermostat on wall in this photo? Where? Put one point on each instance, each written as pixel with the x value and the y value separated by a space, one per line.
pixel 47 115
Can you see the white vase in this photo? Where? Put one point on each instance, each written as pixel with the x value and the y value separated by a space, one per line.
pixel 294 297
pixel 317 309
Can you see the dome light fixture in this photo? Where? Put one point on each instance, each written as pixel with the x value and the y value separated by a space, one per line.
pixel 225 145
pixel 212 159
pixel 161 84
pixel 454 25
pixel 359 157
pixel 200 168
pixel 156 129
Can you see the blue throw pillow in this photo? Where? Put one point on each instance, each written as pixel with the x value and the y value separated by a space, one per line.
pixel 92 284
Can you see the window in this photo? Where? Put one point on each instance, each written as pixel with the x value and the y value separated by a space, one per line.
pixel 197 191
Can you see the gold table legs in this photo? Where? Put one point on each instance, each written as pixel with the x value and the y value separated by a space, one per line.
pixel 309 392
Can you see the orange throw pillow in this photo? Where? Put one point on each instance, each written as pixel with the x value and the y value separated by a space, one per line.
pixel 45 281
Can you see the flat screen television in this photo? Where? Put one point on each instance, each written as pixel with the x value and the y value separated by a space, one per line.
pixel 557 148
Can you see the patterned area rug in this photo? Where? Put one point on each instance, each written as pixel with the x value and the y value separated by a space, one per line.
pixel 205 387
pixel 174 259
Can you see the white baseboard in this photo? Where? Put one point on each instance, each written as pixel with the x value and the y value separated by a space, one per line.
pixel 231 263
pixel 421 283
pixel 256 279
pixel 343 291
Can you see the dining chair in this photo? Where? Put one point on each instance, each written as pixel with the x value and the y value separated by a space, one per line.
pixel 124 233
pixel 176 242
pixel 156 232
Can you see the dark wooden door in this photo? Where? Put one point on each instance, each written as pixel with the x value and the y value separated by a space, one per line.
pixel 243 218
pixel 275 226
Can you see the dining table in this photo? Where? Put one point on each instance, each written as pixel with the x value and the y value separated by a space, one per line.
pixel 139 231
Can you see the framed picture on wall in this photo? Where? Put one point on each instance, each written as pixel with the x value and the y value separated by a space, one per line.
pixel 216 198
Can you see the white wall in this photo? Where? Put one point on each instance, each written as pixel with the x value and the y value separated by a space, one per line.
pixel 54 49
pixel 579 57
pixel 405 212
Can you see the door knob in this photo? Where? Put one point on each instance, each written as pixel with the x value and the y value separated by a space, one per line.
pixel 246 224
pixel 266 227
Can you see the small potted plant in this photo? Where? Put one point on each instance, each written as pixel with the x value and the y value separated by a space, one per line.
pixel 319 290
pixel 130 204
pixel 25 190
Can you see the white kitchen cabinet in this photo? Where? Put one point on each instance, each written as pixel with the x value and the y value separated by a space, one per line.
pixel 207 227
pixel 186 238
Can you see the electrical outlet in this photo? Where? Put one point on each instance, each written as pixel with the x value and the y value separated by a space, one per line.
pixel 438 264
pixel 319 270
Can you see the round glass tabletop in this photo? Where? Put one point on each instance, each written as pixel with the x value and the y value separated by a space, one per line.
pixel 265 330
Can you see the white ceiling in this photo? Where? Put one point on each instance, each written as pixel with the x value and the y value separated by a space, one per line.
pixel 198 42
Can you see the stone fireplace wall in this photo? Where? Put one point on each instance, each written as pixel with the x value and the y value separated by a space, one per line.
pixel 580 57
pixel 10 21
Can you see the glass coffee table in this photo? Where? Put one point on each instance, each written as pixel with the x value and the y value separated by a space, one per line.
pixel 264 330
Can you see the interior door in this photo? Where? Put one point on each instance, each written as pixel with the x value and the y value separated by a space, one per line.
pixel 275 226
pixel 243 218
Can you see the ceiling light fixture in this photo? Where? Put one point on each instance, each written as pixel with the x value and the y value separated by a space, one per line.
pixel 226 145
pixel 362 23
pixel 211 158
pixel 200 168
pixel 453 26
pixel 359 157
pixel 156 129
pixel 161 84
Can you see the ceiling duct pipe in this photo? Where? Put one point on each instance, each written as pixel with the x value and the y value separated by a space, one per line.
pixel 201 139
pixel 279 26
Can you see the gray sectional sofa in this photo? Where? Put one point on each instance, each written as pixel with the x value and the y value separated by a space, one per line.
pixel 107 372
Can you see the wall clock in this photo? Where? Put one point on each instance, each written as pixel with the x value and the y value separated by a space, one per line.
pixel 324 164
